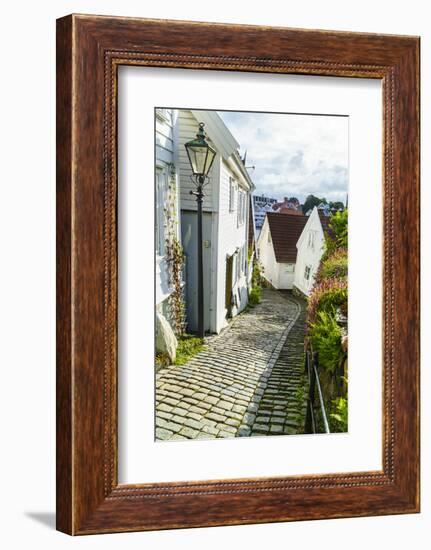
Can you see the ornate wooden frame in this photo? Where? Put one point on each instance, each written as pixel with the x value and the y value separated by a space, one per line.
pixel 89 51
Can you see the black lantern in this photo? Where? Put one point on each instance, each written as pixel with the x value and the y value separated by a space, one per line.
pixel 201 154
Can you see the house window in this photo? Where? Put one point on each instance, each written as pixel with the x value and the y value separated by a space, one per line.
pixel 311 239
pixel 231 194
pixel 290 268
pixel 307 272
pixel 241 207
pixel 269 236
pixel 161 180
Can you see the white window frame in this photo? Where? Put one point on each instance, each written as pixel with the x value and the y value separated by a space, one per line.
pixel 311 238
pixel 290 268
pixel 307 272
pixel 241 206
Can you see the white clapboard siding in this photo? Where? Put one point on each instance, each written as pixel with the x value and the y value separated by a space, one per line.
pixel 188 127
pixel 231 237
pixel 164 137
pixel 309 252
pixel 267 256
pixel 165 159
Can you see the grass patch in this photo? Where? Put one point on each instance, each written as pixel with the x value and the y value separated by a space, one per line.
pixel 162 360
pixel 188 347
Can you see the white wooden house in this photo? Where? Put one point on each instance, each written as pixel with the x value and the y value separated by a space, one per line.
pixel 167 218
pixel 277 247
pixel 310 246
pixel 225 223
pixel 290 248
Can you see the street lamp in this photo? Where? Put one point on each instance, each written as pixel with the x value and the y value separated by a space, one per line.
pixel 201 157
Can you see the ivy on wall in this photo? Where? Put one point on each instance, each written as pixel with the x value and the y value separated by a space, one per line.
pixel 174 256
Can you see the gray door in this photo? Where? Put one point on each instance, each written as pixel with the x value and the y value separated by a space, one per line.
pixel 189 243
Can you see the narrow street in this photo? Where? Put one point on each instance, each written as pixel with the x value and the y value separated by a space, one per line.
pixel 248 380
pixel 283 405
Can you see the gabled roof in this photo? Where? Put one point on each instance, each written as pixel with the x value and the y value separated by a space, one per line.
pixel 285 231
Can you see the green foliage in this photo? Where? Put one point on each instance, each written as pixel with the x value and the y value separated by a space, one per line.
pixel 338 416
pixel 255 296
pixel 334 266
pixel 188 346
pixel 256 278
pixel 338 237
pixel 325 337
pixel 326 296
pixel 310 202
pixel 337 204
pixel 329 298
pixel 175 256
pixel 162 360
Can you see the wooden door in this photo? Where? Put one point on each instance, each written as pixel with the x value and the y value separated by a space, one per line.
pixel 229 283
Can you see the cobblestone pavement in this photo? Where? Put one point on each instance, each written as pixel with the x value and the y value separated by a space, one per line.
pixel 247 381
pixel 283 405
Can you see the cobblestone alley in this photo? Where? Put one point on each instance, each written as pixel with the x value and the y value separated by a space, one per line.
pixel 248 381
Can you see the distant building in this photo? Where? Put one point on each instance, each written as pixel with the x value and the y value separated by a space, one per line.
pixel 287 204
pixel 291 211
pixel 277 247
pixel 262 200
pixel 325 208
pixel 290 248
pixel 262 205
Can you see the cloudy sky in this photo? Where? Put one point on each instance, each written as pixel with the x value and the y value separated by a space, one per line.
pixel 294 155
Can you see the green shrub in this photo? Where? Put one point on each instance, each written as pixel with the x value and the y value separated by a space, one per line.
pixel 188 346
pixel 334 266
pixel 325 337
pixel 338 416
pixel 255 296
pixel 256 278
pixel 327 295
pixel 337 236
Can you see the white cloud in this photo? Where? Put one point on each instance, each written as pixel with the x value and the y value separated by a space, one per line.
pixel 294 155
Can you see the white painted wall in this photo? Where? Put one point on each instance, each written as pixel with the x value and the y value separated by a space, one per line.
pixel 267 256
pixel 227 234
pixel 165 120
pixel 164 136
pixel 286 276
pixel 231 236
pixel 310 250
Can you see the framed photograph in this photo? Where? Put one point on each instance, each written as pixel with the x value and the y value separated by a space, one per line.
pixel 237 274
